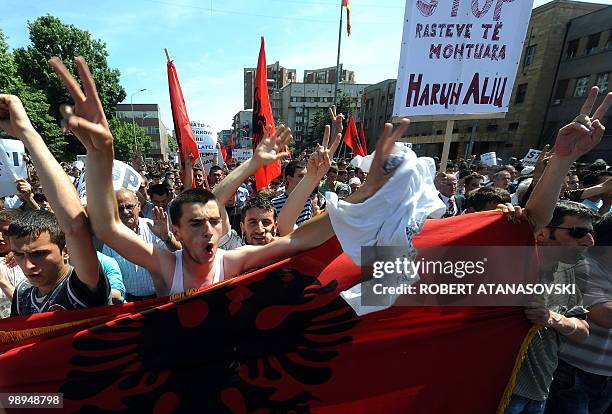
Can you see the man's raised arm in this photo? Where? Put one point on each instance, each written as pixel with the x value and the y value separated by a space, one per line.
pixel 573 141
pixel 87 121
pixel 319 229
pixel 270 149
pixel 58 189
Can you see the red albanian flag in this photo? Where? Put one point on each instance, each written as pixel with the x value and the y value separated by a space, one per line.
pixel 351 138
pixel 362 138
pixel 182 127
pixel 262 119
pixel 279 339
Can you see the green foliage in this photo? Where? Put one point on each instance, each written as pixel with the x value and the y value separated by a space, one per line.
pixel 123 137
pixel 34 101
pixel 322 118
pixel 50 37
pixel 172 145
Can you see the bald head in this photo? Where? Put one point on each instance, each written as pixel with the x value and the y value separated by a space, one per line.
pixel 129 208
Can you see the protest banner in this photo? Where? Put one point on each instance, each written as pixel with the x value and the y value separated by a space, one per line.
pixel 206 141
pixel 531 157
pixel 242 154
pixel 12 165
pixel 490 159
pixel 124 176
pixel 459 60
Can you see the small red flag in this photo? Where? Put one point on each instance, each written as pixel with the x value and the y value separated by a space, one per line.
pixel 351 138
pixel 346 3
pixel 262 119
pixel 362 139
pixel 182 128
pixel 223 152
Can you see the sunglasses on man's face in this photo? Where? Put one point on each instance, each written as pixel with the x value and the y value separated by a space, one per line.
pixel 576 232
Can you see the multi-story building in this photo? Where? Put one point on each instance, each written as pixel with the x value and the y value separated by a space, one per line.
pixel 586 61
pixel 277 76
pixel 242 129
pixel 328 75
pixel 522 126
pixel 302 101
pixel 148 117
pixel 224 135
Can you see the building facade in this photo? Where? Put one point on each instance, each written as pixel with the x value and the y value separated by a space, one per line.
pixel 242 127
pixel 148 117
pixel 302 101
pixel 277 76
pixel 224 136
pixel 328 75
pixel 586 61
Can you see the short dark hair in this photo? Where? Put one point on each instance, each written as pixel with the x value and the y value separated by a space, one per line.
pixel 215 168
pixel 333 169
pixel 479 199
pixel 194 195
pixel 32 223
pixel 10 214
pixel 571 208
pixel 593 178
pixel 603 230
pixel 158 189
pixel 259 201
pixel 293 166
pixel 473 176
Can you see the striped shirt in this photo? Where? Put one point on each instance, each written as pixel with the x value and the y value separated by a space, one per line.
pixel 594 355
pixel 536 372
pixel 306 214
pixel 137 279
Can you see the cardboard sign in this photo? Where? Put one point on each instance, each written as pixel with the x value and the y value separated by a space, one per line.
pixel 12 166
pixel 124 176
pixel 531 158
pixel 459 56
pixel 490 159
pixel 242 154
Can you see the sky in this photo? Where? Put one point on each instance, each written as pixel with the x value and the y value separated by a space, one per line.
pixel 211 41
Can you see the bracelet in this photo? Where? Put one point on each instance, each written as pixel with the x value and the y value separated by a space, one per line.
pixel 573 329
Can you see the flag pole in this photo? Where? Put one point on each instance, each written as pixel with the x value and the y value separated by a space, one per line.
pixel 338 57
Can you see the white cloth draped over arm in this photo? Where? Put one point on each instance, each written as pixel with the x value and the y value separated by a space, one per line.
pixel 390 218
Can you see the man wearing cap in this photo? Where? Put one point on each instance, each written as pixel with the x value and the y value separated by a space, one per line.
pixel 354 183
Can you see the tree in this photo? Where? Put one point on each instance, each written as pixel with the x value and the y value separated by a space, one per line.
pixel 172 145
pixel 34 101
pixel 322 118
pixel 123 139
pixel 50 37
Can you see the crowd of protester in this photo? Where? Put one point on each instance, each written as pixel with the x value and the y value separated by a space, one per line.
pixel 61 252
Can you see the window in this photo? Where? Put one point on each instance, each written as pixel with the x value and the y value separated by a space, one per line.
pixel 529 55
pixel 592 44
pixel 572 49
pixel 581 86
pixel 561 89
pixel 602 82
pixel 492 127
pixel 521 91
pixel 513 126
pixel 469 129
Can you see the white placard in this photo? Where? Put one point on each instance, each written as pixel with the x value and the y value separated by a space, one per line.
pixel 531 158
pixel 242 154
pixel 124 176
pixel 12 166
pixel 205 138
pixel 490 159
pixel 459 56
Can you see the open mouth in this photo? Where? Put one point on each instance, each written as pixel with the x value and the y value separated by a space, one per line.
pixel 261 238
pixel 209 247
